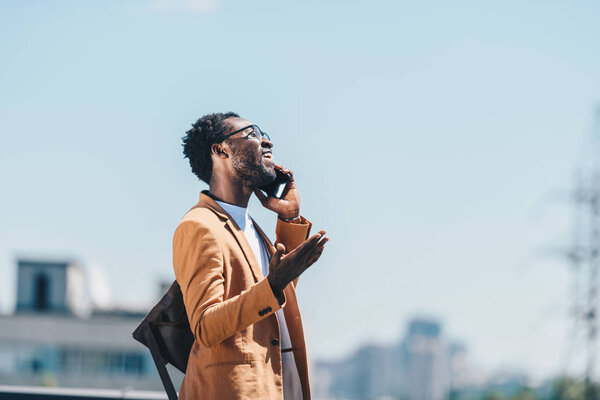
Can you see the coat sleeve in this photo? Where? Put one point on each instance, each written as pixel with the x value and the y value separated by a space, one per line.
pixel 198 265
pixel 292 235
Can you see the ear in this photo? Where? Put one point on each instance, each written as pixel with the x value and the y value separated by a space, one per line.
pixel 217 149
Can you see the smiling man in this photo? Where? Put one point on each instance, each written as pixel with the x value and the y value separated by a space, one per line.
pixel 239 289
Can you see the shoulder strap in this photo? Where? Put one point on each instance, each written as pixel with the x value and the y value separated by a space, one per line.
pixel 160 365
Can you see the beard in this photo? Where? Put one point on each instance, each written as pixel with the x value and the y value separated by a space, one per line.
pixel 250 170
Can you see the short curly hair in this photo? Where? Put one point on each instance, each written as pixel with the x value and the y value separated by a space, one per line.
pixel 197 142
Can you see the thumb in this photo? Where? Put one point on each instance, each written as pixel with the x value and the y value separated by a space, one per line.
pixel 279 252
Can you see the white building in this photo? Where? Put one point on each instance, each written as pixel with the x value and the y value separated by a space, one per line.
pixel 55 338
pixel 426 366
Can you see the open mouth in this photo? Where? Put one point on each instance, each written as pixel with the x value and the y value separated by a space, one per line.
pixel 268 155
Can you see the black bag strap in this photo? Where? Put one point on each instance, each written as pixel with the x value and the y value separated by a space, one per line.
pixel 160 364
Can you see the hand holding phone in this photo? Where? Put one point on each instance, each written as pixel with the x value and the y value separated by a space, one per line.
pixel 278 187
pixel 282 194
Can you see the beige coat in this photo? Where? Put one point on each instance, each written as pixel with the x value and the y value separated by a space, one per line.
pixel 231 308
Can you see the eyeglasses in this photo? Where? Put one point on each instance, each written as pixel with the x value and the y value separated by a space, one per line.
pixel 256 133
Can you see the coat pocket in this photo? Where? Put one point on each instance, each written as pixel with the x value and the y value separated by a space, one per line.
pixel 216 364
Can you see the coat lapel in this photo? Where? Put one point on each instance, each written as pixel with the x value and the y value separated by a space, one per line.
pixel 293 321
pixel 270 247
pixel 238 234
pixel 246 249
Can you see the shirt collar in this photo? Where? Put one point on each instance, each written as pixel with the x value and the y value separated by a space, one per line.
pixel 239 214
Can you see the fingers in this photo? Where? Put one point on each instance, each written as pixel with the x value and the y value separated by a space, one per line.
pixel 314 241
pixel 322 242
pixel 315 249
pixel 303 256
pixel 309 244
pixel 316 236
pixel 318 251
pixel 291 174
pixel 286 171
pixel 319 248
pixel 309 251
pixel 315 257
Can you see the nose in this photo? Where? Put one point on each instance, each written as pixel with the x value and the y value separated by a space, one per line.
pixel 264 142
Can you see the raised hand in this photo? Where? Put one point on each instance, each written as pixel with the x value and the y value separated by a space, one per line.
pixel 286 207
pixel 283 269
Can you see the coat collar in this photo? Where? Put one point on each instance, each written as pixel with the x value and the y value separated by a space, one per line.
pixel 207 200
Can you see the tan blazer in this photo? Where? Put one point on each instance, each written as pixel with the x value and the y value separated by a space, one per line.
pixel 231 308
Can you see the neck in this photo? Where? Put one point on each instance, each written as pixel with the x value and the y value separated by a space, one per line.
pixel 231 192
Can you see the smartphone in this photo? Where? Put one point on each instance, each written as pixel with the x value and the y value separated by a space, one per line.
pixel 278 187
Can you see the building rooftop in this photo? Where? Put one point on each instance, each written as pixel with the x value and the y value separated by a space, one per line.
pixel 103 330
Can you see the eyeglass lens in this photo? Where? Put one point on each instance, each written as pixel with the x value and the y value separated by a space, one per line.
pixel 259 133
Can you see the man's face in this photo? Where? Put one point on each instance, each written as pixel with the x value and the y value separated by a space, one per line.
pixel 251 157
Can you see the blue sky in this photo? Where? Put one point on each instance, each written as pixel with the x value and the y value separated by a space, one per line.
pixel 434 141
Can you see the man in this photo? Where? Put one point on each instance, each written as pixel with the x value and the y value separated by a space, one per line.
pixel 239 290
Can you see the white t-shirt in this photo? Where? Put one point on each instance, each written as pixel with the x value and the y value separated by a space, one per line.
pixel 292 388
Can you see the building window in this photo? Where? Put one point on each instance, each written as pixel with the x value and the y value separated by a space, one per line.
pixel 41 292
pixel 103 362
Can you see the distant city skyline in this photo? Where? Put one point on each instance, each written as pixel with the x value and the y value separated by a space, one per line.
pixel 83 346
pixel 429 139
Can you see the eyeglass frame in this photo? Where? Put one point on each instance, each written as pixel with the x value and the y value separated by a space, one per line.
pixel 255 127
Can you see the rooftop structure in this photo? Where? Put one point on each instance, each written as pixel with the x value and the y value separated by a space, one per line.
pixel 56 338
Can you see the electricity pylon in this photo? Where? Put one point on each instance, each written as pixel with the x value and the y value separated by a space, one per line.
pixel 584 256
